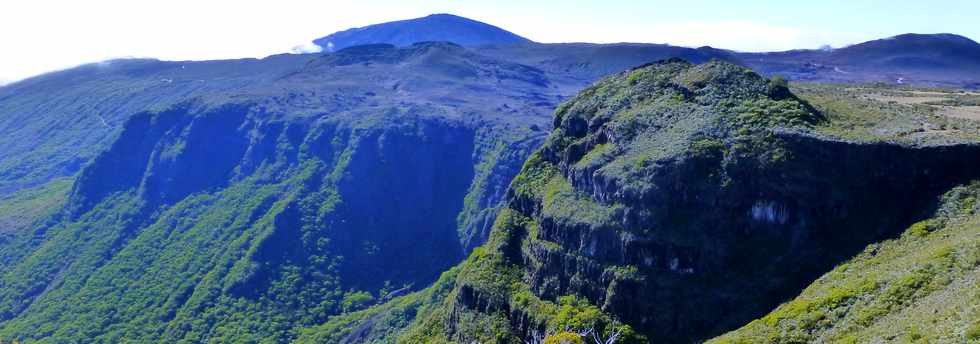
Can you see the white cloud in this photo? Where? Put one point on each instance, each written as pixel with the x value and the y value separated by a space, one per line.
pixel 39 36
pixel 306 48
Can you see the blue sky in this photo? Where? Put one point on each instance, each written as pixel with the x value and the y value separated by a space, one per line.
pixel 44 35
pixel 632 19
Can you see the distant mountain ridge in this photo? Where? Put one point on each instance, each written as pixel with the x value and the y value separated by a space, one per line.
pixel 905 50
pixel 302 196
pixel 926 59
pixel 436 27
pixel 944 60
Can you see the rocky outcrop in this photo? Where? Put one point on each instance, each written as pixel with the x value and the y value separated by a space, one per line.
pixel 744 249
pixel 686 200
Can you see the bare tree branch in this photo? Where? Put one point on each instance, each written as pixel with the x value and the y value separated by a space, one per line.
pixel 614 333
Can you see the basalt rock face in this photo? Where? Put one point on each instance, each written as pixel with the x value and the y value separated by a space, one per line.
pixel 684 200
pixel 712 260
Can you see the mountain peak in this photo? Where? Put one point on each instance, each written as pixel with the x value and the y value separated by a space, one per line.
pixel 913 51
pixel 445 15
pixel 434 27
pixel 935 37
pixel 907 40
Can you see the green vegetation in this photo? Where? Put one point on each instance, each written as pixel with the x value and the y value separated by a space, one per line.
pixel 382 323
pixel 19 210
pixel 564 338
pixel 670 159
pixel 304 198
pixel 920 287
pixel 355 300
pixel 779 87
pixel 22 212
pixel 958 100
pixel 513 279
pixel 973 333
pixel 494 280
pixel 245 248
pixel 865 114
pixel 225 201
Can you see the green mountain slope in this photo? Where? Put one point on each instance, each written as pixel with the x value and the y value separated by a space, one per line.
pixel 24 210
pixel 271 201
pixel 53 124
pixel 176 175
pixel 305 197
pixel 923 287
pixel 670 190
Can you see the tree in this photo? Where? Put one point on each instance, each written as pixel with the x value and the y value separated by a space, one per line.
pixel 614 333
pixel 356 300
pixel 564 338
pixel 575 337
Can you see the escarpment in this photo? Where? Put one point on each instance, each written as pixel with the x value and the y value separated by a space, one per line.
pixel 234 209
pixel 241 201
pixel 674 202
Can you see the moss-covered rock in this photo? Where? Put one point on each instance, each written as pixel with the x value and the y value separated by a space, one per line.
pixel 682 201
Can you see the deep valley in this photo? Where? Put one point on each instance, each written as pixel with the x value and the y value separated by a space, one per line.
pixel 442 180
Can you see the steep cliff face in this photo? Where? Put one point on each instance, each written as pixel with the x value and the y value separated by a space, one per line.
pixel 919 287
pixel 240 200
pixel 166 156
pixel 677 201
pixel 236 222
